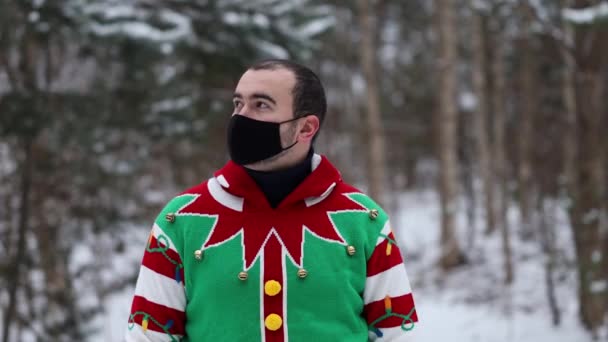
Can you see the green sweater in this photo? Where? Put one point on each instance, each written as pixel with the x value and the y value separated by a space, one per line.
pixel 222 265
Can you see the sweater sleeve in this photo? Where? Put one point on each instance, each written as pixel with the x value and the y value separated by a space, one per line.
pixel 389 304
pixel 159 303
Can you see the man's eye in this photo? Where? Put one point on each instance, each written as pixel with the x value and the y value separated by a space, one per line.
pixel 236 104
pixel 262 105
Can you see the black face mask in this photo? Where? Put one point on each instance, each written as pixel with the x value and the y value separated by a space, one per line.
pixel 251 141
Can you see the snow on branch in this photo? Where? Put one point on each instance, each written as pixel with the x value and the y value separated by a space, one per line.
pixel 133 22
pixel 587 15
pixel 316 27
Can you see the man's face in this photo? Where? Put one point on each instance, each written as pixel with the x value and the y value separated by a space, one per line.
pixel 265 95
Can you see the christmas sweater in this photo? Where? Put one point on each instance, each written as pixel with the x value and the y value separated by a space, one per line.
pixel 222 265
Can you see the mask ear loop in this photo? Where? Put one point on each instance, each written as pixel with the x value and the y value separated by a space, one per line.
pixel 290 146
pixel 294 144
pixel 294 119
pixel 290 120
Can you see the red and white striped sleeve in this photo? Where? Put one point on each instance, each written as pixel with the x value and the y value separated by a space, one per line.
pixel 389 304
pixel 159 303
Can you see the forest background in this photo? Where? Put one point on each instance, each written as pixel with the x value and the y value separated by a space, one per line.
pixel 481 125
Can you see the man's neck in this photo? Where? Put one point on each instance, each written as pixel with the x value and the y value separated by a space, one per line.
pixel 277 184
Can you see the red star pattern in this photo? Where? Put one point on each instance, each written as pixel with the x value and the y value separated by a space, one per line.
pixel 287 225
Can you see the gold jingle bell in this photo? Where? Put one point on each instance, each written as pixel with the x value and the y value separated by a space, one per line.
pixel 351 250
pixel 198 254
pixel 373 214
pixel 302 273
pixel 243 275
pixel 170 217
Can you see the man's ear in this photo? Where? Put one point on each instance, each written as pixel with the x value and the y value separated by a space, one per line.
pixel 310 127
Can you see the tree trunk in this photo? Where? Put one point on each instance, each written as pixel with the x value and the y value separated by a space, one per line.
pixel 546 228
pixel 376 148
pixel 16 266
pixel 584 101
pixel 570 146
pixel 529 106
pixel 482 143
pixel 587 195
pixel 500 173
pixel 448 111
pixel 569 120
pixel 468 182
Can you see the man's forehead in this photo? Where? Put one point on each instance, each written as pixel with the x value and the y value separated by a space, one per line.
pixel 277 82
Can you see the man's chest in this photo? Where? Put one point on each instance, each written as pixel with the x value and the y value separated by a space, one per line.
pixel 319 261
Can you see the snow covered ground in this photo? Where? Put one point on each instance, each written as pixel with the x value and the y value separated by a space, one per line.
pixel 468 305
pixel 471 304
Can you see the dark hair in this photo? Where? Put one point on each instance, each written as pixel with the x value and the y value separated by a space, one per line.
pixel 308 93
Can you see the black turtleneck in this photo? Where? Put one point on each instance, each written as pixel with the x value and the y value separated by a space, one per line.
pixel 276 185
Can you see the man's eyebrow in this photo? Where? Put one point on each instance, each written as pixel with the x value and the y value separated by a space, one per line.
pixel 263 96
pixel 256 96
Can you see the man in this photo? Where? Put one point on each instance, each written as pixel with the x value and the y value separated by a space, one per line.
pixel 274 247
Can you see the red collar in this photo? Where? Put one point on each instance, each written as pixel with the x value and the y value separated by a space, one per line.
pixel 241 207
pixel 235 180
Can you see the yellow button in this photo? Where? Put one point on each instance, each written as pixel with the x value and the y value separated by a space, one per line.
pixel 273 322
pixel 272 288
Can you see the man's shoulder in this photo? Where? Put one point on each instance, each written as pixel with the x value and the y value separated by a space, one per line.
pixel 345 188
pixel 352 191
pixel 186 196
pixel 198 189
pixel 365 219
pixel 358 196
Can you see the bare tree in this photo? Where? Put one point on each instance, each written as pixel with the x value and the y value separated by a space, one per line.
pixel 584 100
pixel 16 266
pixel 482 142
pixel 447 121
pixel 527 76
pixel 500 166
pixel 546 226
pixel 26 82
pixel 376 146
